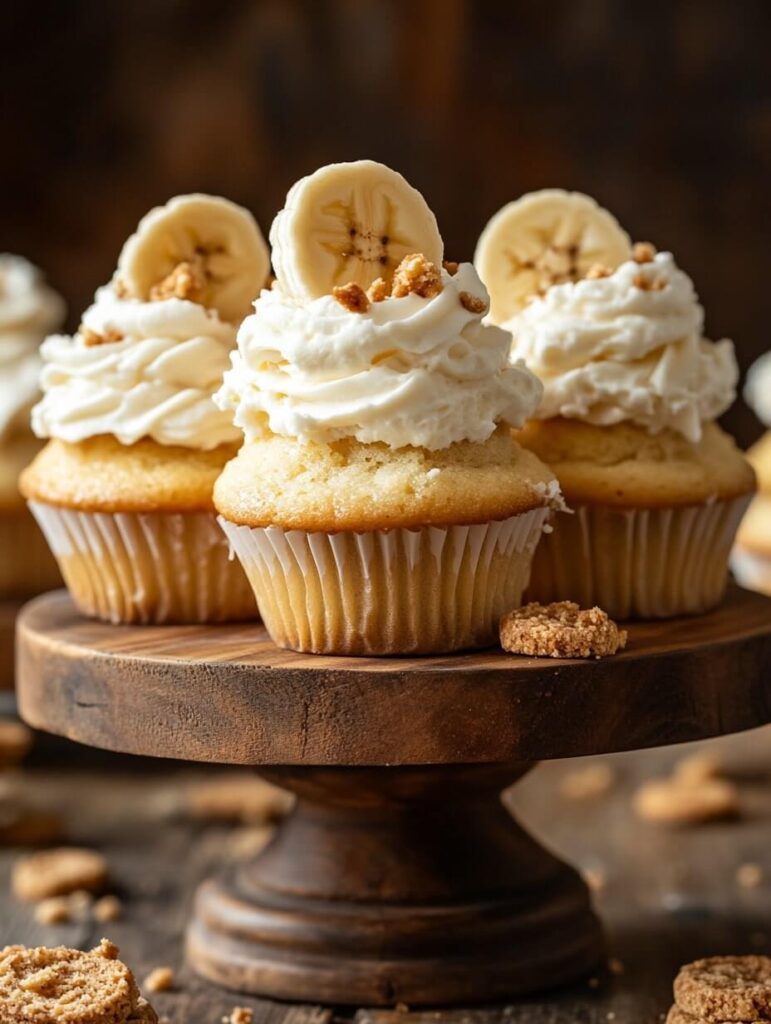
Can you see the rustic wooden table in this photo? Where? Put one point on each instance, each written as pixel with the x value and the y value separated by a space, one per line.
pixel 668 895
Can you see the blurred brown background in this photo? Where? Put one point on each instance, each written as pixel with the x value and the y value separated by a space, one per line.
pixel 662 110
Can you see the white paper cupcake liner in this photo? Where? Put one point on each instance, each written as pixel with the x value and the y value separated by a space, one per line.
pixel 27 566
pixel 638 563
pixel 147 567
pixel 398 591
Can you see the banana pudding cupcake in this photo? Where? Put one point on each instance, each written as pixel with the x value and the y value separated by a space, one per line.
pixel 380 504
pixel 123 489
pixel 751 557
pixel 29 310
pixel 631 392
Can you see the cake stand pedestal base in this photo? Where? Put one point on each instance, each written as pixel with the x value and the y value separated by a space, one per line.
pixel 389 885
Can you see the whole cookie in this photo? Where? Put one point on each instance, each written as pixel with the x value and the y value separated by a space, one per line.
pixel 66 986
pixel 726 988
pixel 678 1016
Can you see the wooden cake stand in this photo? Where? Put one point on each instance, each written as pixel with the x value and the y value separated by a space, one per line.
pixel 399 876
pixel 8 612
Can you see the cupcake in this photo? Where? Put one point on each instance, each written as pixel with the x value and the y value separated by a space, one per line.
pixel 631 392
pixel 751 558
pixel 380 504
pixel 123 489
pixel 29 310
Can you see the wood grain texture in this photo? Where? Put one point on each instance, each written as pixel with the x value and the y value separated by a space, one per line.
pixel 227 694
pixel 396 885
pixel 8 612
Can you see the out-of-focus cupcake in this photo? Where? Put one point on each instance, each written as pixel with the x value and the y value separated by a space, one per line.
pixel 751 558
pixel 631 392
pixel 380 504
pixel 29 309
pixel 123 489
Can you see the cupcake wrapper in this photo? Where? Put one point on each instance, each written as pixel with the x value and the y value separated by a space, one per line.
pixel 399 591
pixel 27 566
pixel 752 569
pixel 146 567
pixel 638 563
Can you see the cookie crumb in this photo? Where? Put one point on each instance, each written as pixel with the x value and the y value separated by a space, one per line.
pixel 749 876
pixel 472 303
pixel 672 802
pixel 54 910
pixel 649 284
pixel 160 979
pixel 235 798
pixel 723 988
pixel 351 297
pixel 15 742
pixel 187 280
pixel 416 275
pixel 106 949
pixel 91 338
pixel 643 252
pixel 58 872
pixel 120 288
pixel 108 909
pixel 451 267
pixel 239 1015
pixel 696 768
pixel 597 271
pixel 378 291
pixel 560 630
pixel 587 783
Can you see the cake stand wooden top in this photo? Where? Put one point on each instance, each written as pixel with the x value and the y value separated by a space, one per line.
pixel 226 694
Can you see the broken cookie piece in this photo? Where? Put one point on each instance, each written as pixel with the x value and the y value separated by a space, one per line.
pixel 561 630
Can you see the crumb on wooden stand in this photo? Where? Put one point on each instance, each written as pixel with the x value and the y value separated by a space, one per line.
pixel 53 910
pixel 160 979
pixel 560 630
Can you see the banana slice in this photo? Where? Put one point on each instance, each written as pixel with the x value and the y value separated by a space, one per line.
pixel 204 244
pixel 542 239
pixel 350 222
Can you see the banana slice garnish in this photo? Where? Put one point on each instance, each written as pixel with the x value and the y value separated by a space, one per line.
pixel 545 238
pixel 200 247
pixel 349 223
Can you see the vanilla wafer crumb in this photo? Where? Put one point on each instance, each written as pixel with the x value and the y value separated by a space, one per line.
pixel 108 909
pixel 186 281
pixel 160 979
pixel 643 252
pixel 379 290
pixel 451 267
pixel 91 338
pixel 472 303
pixel 598 271
pixel 351 297
pixel 561 630
pixel 239 1015
pixel 416 275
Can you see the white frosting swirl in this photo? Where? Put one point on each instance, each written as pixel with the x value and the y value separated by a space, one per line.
pixel 156 382
pixel 28 310
pixel 409 371
pixel 608 351
pixel 757 390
